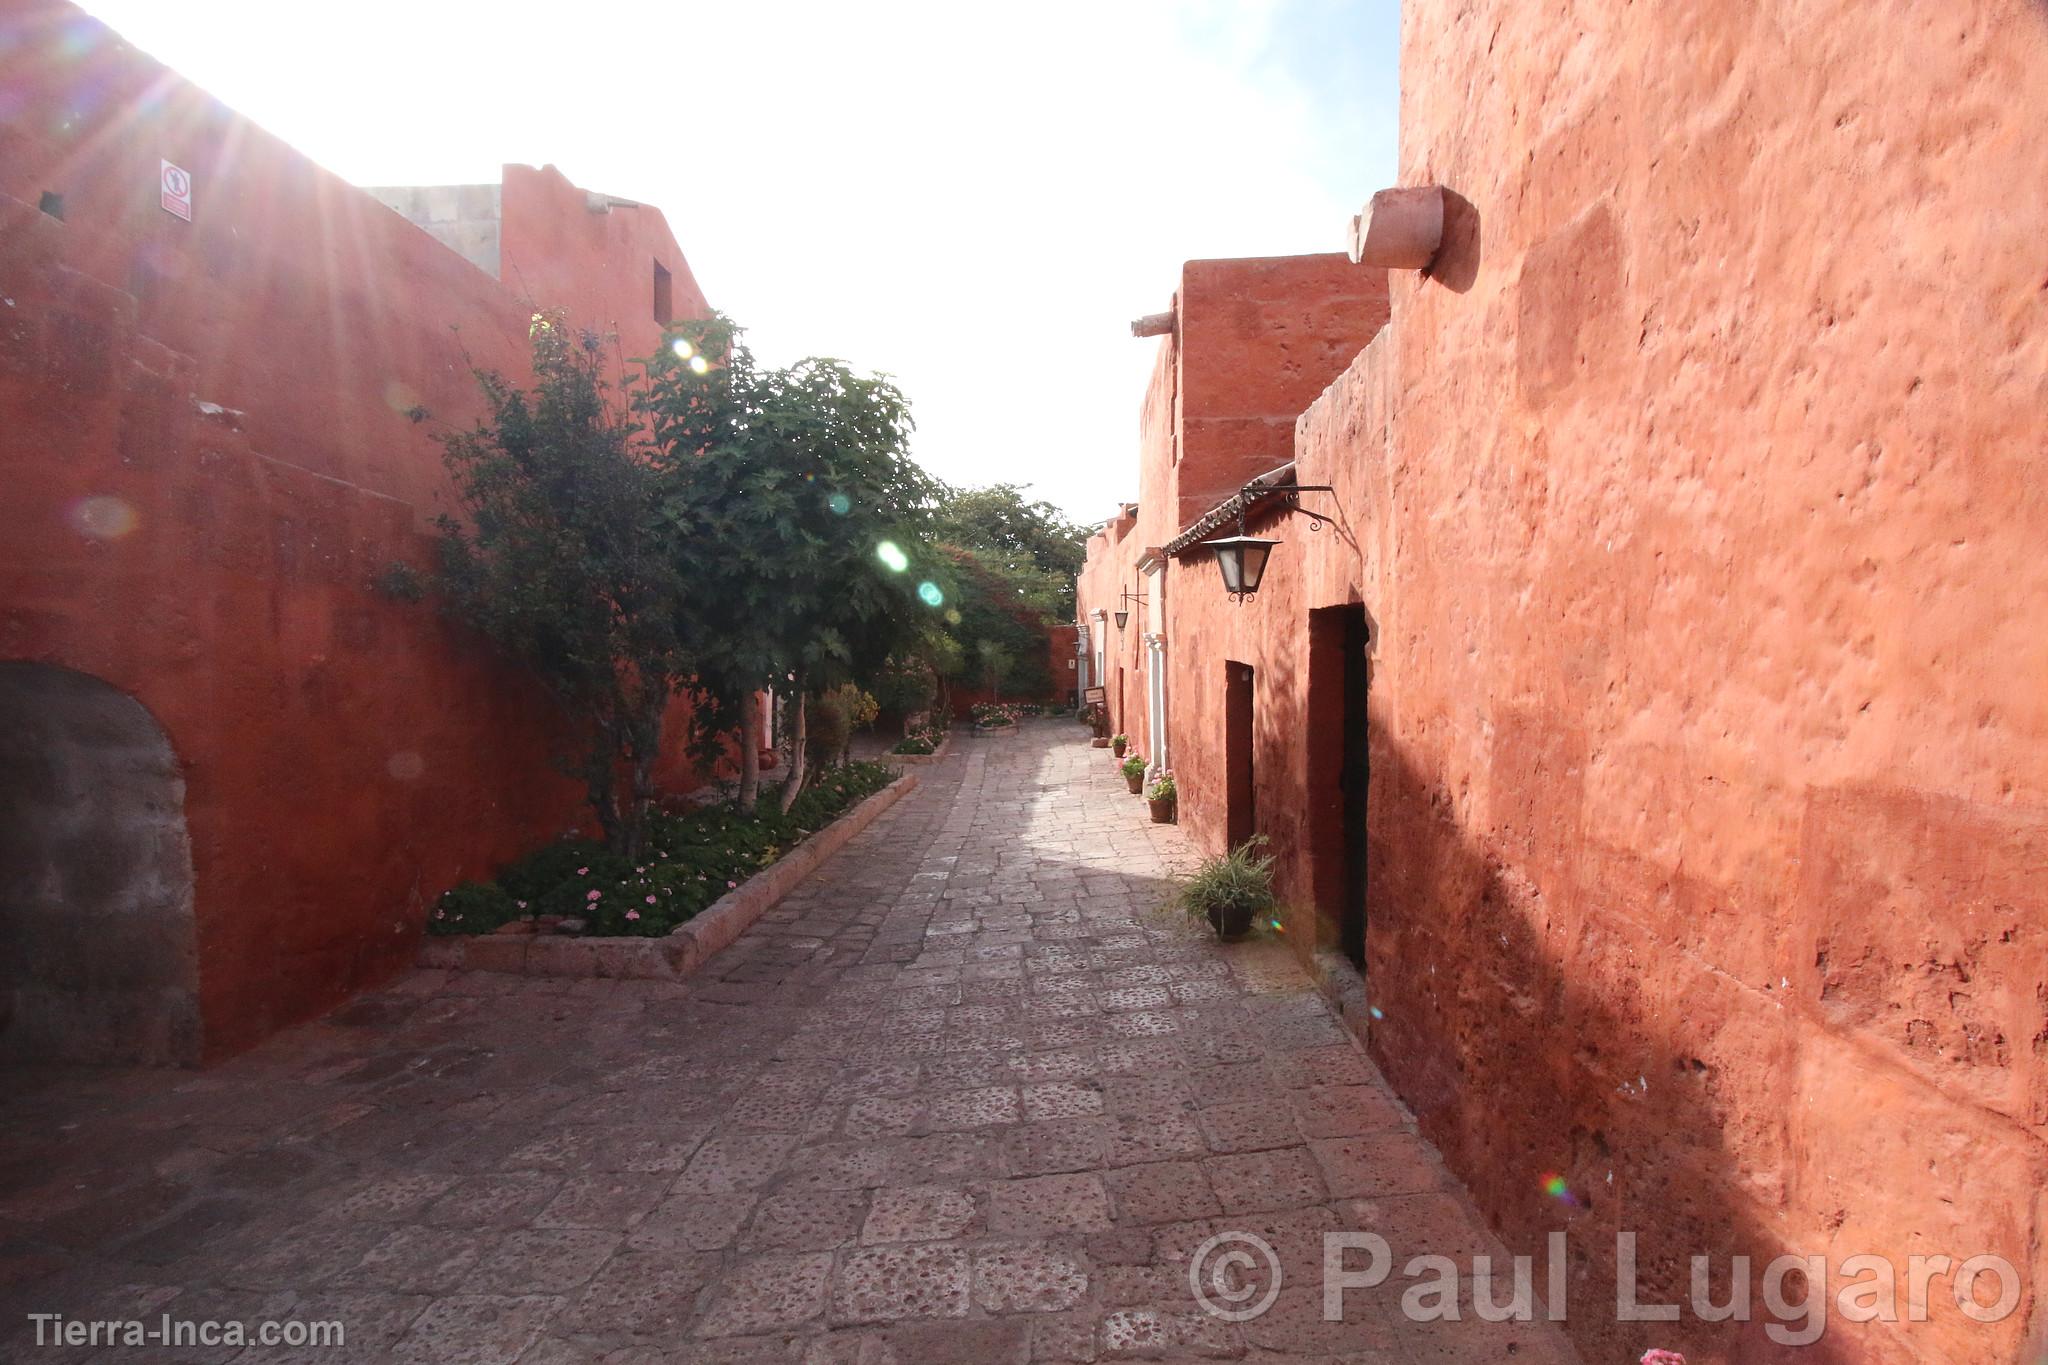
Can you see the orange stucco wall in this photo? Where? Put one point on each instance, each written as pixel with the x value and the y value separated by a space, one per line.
pixel 1711 748
pixel 1696 497
pixel 207 461
pixel 1255 341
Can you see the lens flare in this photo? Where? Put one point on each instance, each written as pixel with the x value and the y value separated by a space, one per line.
pixel 1378 1013
pixel 400 397
pixel 840 503
pixel 683 349
pixel 103 518
pixel 1554 1185
pixel 699 365
pixel 892 554
pixel 928 593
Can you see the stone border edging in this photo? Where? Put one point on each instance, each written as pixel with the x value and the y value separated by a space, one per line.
pixel 683 949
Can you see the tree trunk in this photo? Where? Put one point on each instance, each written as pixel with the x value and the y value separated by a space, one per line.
pixel 601 782
pixel 750 751
pixel 646 753
pixel 798 739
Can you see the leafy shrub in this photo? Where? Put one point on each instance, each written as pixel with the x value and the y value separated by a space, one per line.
pixel 906 689
pixel 1161 790
pixel 834 716
pixel 1134 766
pixel 692 860
pixel 547 867
pixel 925 741
pixel 993 713
pixel 472 908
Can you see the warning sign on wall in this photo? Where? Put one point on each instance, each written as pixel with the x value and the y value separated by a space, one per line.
pixel 177 191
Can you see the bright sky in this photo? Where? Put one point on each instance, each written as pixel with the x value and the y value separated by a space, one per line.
pixel 974 198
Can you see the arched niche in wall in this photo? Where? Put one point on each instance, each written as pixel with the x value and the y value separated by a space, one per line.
pixel 98 947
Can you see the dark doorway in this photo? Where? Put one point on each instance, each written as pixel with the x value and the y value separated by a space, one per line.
pixel 98 948
pixel 1340 671
pixel 1240 792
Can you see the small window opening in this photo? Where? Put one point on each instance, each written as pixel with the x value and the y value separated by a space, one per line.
pixel 664 306
pixel 53 204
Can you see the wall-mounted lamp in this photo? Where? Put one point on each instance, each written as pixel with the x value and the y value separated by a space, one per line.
pixel 1123 613
pixel 1242 558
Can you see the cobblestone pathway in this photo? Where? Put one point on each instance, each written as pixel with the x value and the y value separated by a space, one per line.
pixel 964 1097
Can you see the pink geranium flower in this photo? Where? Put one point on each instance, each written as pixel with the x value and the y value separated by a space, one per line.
pixel 635 914
pixel 1657 1357
pixel 583 872
pixel 730 885
pixel 593 895
pixel 650 900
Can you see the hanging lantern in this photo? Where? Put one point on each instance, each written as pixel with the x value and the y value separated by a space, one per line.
pixel 1242 559
pixel 1123 618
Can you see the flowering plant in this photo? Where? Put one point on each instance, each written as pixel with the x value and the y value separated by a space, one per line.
pixel 693 858
pixel 922 741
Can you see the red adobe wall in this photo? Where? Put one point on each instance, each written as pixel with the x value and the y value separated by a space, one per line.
pixel 555 246
pixel 235 389
pixel 1109 572
pixel 1060 663
pixel 1697 503
pixel 1258 339
pixel 1255 341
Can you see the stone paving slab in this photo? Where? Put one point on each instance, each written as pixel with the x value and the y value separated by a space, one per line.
pixel 964 1095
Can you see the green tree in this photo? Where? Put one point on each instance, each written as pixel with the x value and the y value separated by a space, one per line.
pixel 995 662
pixel 1031 543
pixel 799 519
pixel 1015 561
pixel 563 559
pixel 993 605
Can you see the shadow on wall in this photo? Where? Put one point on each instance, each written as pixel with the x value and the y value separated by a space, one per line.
pixel 1456 266
pixel 1665 1106
pixel 98 951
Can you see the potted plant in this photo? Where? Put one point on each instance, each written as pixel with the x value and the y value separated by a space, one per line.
pixel 1161 796
pixel 1096 717
pixel 1134 773
pixel 1231 893
pixel 1118 743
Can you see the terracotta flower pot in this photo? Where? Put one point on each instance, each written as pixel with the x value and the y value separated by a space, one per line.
pixel 1099 742
pixel 1162 811
pixel 1119 745
pixel 1137 784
